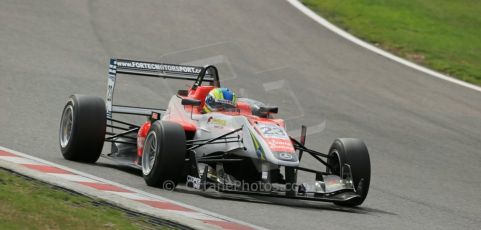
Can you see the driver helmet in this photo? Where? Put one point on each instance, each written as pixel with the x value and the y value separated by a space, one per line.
pixel 219 99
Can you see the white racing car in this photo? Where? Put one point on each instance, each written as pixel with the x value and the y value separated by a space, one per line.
pixel 242 150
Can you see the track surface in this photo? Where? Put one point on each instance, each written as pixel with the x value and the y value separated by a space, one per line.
pixel 424 134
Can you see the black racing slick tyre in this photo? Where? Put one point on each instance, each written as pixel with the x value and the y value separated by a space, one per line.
pixel 163 156
pixel 82 128
pixel 353 152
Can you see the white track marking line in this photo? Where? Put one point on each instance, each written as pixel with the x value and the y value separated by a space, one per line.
pixel 73 177
pixel 156 197
pixel 132 196
pixel 19 160
pixel 374 49
pixel 195 215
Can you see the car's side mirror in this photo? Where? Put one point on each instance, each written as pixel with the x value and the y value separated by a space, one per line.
pixel 268 109
pixel 190 101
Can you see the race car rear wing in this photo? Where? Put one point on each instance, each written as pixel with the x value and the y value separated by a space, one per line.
pixel 197 74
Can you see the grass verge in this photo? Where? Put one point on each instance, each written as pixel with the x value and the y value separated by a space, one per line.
pixel 444 35
pixel 29 204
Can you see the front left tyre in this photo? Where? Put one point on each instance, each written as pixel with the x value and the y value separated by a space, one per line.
pixel 82 128
pixel 353 152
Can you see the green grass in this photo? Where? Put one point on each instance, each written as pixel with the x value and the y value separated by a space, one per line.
pixel 444 35
pixel 30 204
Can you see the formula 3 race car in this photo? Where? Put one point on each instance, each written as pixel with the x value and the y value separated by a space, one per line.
pixel 244 150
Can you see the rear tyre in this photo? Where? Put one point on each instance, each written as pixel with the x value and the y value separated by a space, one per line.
pixel 164 155
pixel 82 128
pixel 353 152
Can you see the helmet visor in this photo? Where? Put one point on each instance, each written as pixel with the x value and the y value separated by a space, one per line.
pixel 220 104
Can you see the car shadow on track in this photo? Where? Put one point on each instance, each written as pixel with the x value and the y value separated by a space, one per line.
pixel 123 168
pixel 283 202
pixel 260 199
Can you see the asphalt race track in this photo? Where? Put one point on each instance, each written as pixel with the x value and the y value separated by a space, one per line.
pixel 424 134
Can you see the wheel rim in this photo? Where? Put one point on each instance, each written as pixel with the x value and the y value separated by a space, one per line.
pixel 149 153
pixel 66 126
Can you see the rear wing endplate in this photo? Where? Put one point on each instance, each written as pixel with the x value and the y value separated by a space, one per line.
pixel 197 74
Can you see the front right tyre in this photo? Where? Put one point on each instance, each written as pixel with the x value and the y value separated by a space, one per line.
pixel 163 155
